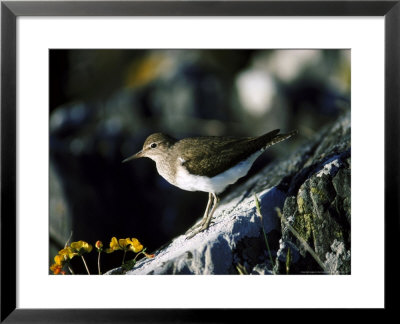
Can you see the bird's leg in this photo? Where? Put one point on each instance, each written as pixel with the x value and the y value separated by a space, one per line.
pixel 203 220
pixel 208 220
pixel 209 204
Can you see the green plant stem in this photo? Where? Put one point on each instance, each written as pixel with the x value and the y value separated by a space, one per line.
pixel 265 234
pixel 123 258
pixel 84 262
pixel 241 269
pixel 288 259
pixel 141 252
pixel 98 263
pixel 269 251
pixel 70 269
pixel 69 239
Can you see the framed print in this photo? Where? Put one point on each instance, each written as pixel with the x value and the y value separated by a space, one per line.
pixel 202 89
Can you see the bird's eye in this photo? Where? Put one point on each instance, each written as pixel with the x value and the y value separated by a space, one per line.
pixel 153 145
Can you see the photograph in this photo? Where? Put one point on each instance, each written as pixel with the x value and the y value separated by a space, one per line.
pixel 199 161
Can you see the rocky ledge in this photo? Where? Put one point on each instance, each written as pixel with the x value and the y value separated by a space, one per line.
pixel 305 208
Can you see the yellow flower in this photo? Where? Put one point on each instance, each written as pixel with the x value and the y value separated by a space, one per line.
pixel 67 253
pixel 59 259
pixel 135 245
pixel 123 243
pixel 81 247
pixel 56 268
pixel 113 245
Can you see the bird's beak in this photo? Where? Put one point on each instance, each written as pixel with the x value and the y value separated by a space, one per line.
pixel 134 156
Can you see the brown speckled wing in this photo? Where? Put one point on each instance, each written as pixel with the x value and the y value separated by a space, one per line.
pixel 209 156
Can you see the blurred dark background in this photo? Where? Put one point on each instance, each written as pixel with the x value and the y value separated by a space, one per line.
pixel 104 103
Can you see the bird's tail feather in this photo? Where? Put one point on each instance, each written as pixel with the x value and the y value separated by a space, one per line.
pixel 276 138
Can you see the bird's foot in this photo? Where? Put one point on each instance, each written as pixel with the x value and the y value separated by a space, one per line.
pixel 194 232
pixel 195 226
pixel 200 227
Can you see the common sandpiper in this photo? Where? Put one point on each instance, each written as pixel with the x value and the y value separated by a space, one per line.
pixel 207 163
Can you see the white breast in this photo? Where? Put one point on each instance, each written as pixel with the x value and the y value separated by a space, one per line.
pixel 216 184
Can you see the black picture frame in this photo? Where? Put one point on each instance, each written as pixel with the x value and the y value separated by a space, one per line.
pixel 10 10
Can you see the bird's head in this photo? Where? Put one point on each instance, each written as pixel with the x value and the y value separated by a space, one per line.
pixel 154 147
